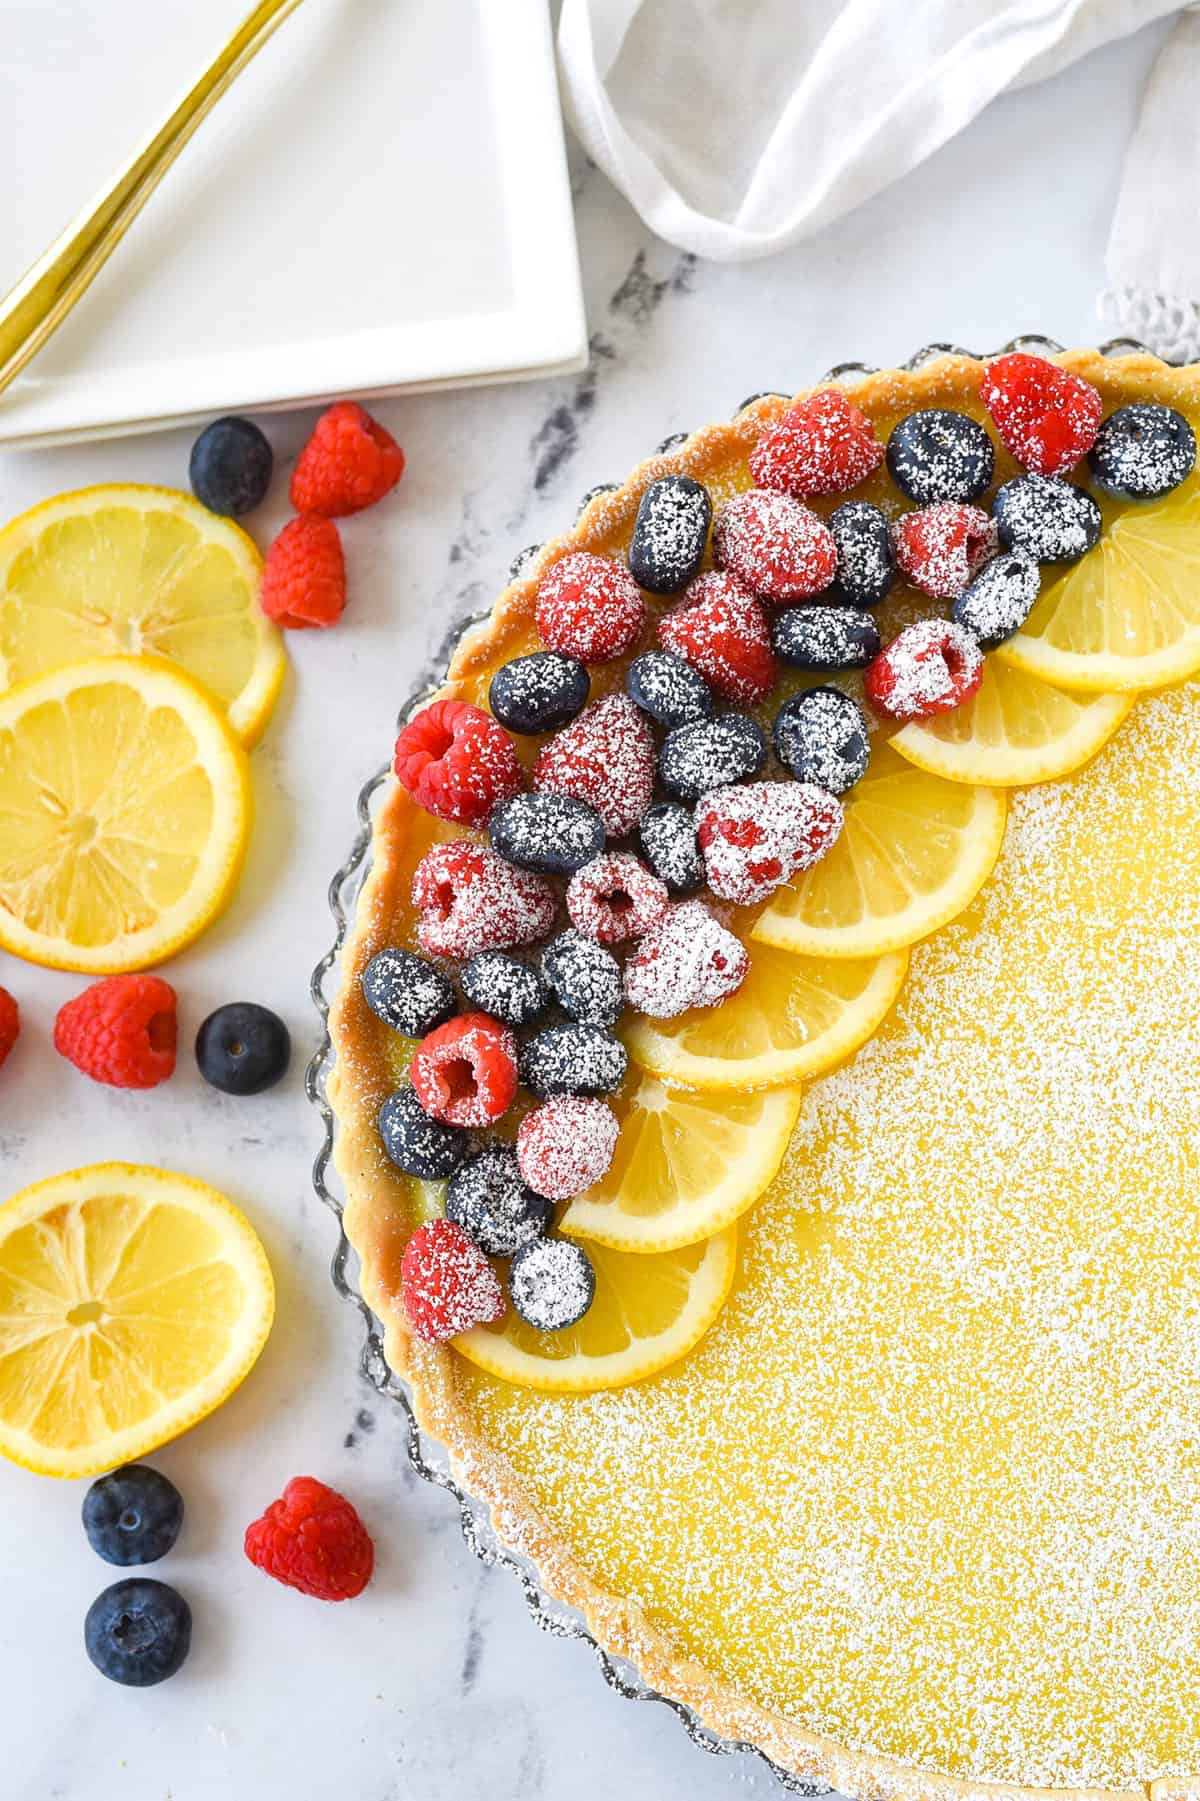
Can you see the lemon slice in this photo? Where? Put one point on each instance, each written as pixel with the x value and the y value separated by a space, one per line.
pixel 1127 615
pixel 1015 730
pixel 915 850
pixel 648 1313
pixel 125 806
pixel 792 1017
pixel 132 1302
pixel 127 570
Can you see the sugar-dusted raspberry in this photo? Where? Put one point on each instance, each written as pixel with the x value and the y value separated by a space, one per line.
pixel 589 607
pixel 1047 417
pixel 10 1023
pixel 121 1031
pixel 465 1072
pixel 447 1284
pixel 313 1540
pixel 349 463
pixel 566 1144
pixel 456 762
pixel 304 576
pixel 775 544
pixel 931 667
pixel 722 631
pixel 755 837
pixel 469 900
pixel 605 758
pixel 615 898
pixel 689 959
pixel 823 445
pixel 939 548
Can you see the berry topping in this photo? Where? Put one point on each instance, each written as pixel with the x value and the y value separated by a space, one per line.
pixel 775 545
pixel 669 534
pixel 465 1072
pixel 456 762
pixel 488 1199
pixel 349 463
pixel 1143 450
pixel 589 607
pixel 821 736
pixel 615 898
pixel 722 632
pixel 606 759
pixel 667 688
pixel 471 900
pixel 540 692
pixel 551 833
pixel 313 1540
pixel 1051 520
pixel 585 979
pixel 825 638
pixel 418 1145
pixel 230 467
pixel 552 1284
pixel 932 667
pixel 1000 599
pixel 573 1059
pixel 711 754
pixel 121 1031
pixel 668 836
pixel 243 1048
pixel 132 1516
pixel 10 1023
pixel 688 960
pixel 823 445
pixel 756 837
pixel 304 576
pixel 1047 417
pixel 866 565
pixel 447 1284
pixel 138 1632
pixel 505 987
pixel 566 1144
pixel 407 992
pixel 941 547
pixel 939 455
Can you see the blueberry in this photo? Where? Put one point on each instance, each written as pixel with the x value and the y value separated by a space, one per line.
pixel 488 1199
pixel 132 1516
pixel 418 1145
pixel 407 992
pixel 138 1632
pixel 668 835
pixel 825 638
pixel 551 1284
pixel 711 753
pixel 866 567
pixel 540 692
pixel 505 987
pixel 551 833
pixel 230 467
pixel 1000 599
pixel 668 689
pixel 1142 451
pixel 243 1048
pixel 938 455
pixel 573 1059
pixel 821 735
pixel 584 978
pixel 669 534
pixel 1052 521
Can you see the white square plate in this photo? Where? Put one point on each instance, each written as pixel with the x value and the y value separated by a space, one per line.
pixel 379 202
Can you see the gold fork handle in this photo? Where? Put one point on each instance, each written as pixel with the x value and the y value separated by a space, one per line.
pixel 45 294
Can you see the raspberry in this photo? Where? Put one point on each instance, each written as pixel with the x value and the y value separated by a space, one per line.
pixel 304 577
pixel 566 1144
pixel 722 631
pixel 121 1031
pixel 775 545
pixel 756 837
pixel 589 607
pixel 456 762
pixel 605 758
pixel 10 1023
pixel 615 898
pixel 1047 417
pixel 472 900
pixel 932 667
pixel 821 446
pixel 313 1540
pixel 941 547
pixel 688 960
pixel 465 1072
pixel 447 1283
pixel 349 463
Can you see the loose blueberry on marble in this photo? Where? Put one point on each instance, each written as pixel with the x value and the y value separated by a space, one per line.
pixel 710 753
pixel 824 638
pixel 418 1145
pixel 669 534
pixel 866 567
pixel 821 736
pixel 539 692
pixel 1000 599
pixel 573 1059
pixel 937 455
pixel 138 1632
pixel 668 689
pixel 1142 451
pixel 553 834
pixel 488 1199
pixel 243 1048
pixel 551 1284
pixel 584 978
pixel 504 987
pixel 132 1515
pixel 1050 519
pixel 668 838
pixel 230 467
pixel 407 992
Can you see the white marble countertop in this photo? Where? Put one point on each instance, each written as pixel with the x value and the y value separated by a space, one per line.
pixel 434 1684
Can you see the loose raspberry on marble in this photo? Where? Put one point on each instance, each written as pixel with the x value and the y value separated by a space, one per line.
pixel 1047 417
pixel 822 445
pixel 931 667
pixel 312 1539
pixel 122 1031
pixel 755 837
pixel 447 1284
pixel 589 607
pixel 456 762
pixel 689 959
pixel 566 1144
pixel 939 548
pixel 304 576
pixel 722 631
pixel 349 463
pixel 10 1023
pixel 777 546
pixel 605 758
pixel 470 900
pixel 615 898
pixel 465 1072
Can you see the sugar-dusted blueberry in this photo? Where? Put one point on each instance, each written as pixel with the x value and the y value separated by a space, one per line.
pixel 573 1059
pixel 551 1284
pixel 418 1145
pixel 407 992
pixel 668 689
pixel 669 534
pixel 668 835
pixel 824 638
pixel 504 987
pixel 1143 450
pixel 940 455
pixel 230 467
pixel 488 1199
pixel 821 736
pixel 1051 520
pixel 132 1515
pixel 554 834
pixel 138 1632
pixel 1000 599
pixel 584 978
pixel 539 692
pixel 866 567
pixel 710 753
